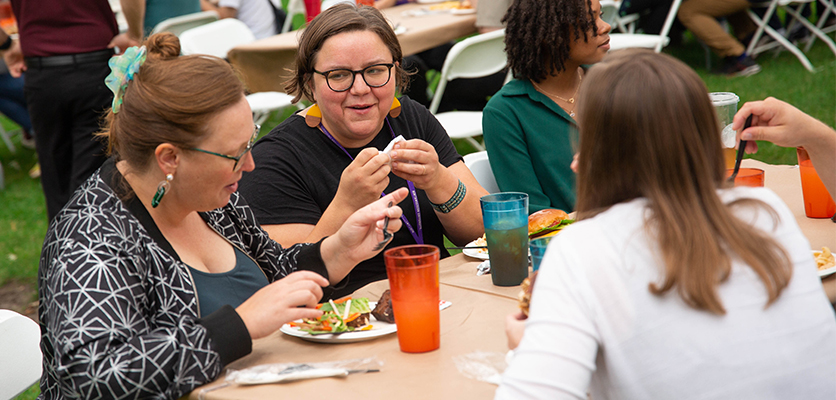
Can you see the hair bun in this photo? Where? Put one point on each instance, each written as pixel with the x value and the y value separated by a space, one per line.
pixel 163 45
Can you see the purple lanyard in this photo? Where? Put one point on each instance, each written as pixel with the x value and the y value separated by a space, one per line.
pixel 419 237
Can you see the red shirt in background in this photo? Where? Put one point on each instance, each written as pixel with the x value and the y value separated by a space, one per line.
pixel 55 27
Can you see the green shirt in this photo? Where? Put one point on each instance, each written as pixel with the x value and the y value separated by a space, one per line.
pixel 530 140
pixel 157 11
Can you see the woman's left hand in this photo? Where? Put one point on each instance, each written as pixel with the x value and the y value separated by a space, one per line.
pixel 416 160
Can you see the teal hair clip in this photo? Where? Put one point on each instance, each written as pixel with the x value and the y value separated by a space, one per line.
pixel 122 70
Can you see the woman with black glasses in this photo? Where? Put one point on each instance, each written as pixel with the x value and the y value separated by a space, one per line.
pixel 155 275
pixel 326 162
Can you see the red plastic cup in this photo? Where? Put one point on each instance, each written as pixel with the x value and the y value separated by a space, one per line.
pixel 752 177
pixel 312 9
pixel 413 281
pixel 365 3
pixel 817 201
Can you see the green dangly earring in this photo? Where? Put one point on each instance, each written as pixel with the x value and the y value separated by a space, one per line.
pixel 161 189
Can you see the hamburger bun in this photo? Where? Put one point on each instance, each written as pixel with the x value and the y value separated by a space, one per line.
pixel 545 221
pixel 525 293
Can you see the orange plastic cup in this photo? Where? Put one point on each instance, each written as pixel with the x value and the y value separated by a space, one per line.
pixel 413 281
pixel 752 177
pixel 817 201
pixel 365 3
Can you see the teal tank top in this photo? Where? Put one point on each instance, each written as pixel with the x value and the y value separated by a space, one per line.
pixel 232 287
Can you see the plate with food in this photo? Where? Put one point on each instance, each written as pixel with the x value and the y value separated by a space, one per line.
pixel 430 1
pixel 481 254
pixel 543 223
pixel 449 6
pixel 825 261
pixel 343 321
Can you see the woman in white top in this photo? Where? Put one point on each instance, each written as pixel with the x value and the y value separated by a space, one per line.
pixel 672 285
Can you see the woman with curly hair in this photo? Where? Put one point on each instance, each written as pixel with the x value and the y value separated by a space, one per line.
pixel 529 124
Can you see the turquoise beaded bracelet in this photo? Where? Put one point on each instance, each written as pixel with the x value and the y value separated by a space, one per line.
pixel 454 201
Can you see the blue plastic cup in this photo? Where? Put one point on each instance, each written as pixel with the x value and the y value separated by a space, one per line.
pixel 505 216
pixel 538 249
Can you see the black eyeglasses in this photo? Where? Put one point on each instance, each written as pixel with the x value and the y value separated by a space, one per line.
pixel 340 80
pixel 237 166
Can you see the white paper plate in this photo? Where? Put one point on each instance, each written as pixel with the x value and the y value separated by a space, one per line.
pixel 430 1
pixel 379 328
pixel 824 272
pixel 481 254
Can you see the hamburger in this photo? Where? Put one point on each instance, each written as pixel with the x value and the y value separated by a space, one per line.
pixel 547 222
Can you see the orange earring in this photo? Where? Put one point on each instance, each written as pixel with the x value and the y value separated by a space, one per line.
pixel 395 110
pixel 313 116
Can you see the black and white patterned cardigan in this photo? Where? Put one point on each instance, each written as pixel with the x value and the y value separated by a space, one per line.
pixel 119 314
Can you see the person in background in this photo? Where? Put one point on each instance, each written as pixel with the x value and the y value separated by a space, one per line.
pixel 652 16
pixel 64 48
pixel 325 162
pixel 264 17
pixel 155 275
pixel 671 284
pixel 700 17
pixel 13 104
pixel 461 94
pixel 780 123
pixel 529 126
pixel 147 14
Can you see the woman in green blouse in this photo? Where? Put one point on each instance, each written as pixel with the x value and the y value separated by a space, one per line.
pixel 529 125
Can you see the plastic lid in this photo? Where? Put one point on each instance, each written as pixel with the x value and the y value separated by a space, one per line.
pixel 723 98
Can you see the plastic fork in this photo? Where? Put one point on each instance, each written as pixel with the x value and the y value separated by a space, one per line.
pixel 740 149
pixel 387 236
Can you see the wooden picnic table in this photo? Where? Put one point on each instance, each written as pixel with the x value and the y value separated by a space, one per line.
pixel 785 181
pixel 474 323
pixel 264 64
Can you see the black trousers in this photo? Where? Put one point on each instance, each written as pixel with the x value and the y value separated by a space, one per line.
pixel 66 104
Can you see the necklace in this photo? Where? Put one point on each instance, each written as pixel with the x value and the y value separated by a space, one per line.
pixel 419 235
pixel 570 100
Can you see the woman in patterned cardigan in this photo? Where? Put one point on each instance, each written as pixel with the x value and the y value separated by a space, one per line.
pixel 155 274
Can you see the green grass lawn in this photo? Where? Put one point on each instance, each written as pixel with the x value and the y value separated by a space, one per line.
pixel 23 214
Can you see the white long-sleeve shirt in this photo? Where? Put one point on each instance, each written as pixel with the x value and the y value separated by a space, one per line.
pixel 594 325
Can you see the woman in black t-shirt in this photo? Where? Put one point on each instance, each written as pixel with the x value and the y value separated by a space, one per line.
pixel 325 162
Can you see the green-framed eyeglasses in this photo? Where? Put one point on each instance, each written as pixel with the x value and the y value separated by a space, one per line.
pixel 237 166
pixel 340 80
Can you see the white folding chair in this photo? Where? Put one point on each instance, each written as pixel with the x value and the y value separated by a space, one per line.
pixel 828 8
pixel 178 25
pixel 763 26
pixel 480 166
pixel 474 57
pixel 610 14
pixel 631 40
pixel 293 7
pixel 7 139
pixel 20 353
pixel 217 39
